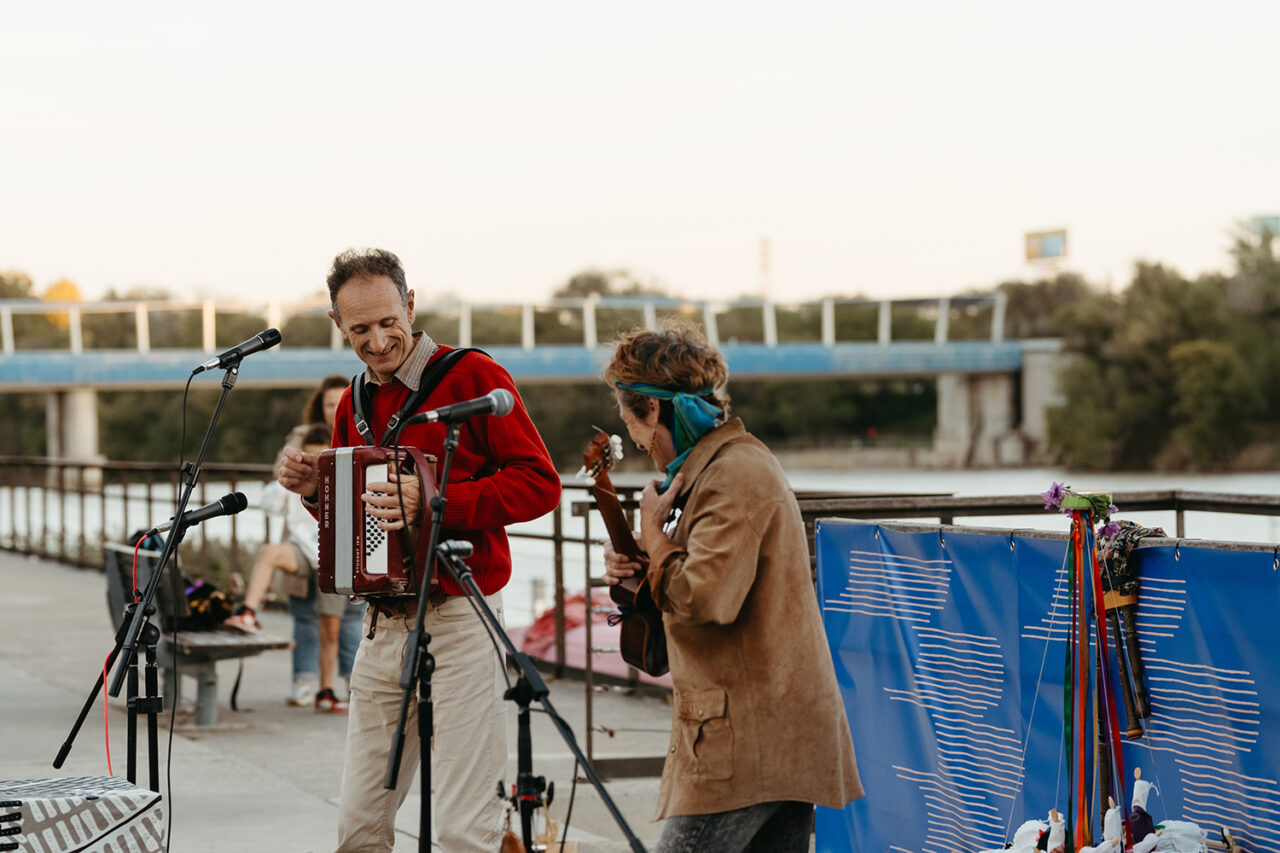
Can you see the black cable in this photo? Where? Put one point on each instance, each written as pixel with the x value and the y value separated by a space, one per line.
pixel 498 650
pixel 177 590
pixel 404 516
pixel 543 710
pixel 493 640
pixel 568 813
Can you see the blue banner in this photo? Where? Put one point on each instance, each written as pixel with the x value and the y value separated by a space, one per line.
pixel 949 648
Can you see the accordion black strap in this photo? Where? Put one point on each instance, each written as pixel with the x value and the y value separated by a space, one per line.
pixel 431 376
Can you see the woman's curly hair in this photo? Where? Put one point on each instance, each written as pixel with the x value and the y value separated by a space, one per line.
pixel 675 356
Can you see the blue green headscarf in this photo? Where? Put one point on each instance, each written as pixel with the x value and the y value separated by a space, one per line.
pixel 694 418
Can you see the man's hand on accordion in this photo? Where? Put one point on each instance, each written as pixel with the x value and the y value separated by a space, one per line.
pixel 387 501
pixel 296 470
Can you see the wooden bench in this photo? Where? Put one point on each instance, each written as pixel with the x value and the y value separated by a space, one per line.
pixel 190 653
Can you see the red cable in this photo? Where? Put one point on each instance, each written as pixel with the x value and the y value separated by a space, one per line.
pixel 135 568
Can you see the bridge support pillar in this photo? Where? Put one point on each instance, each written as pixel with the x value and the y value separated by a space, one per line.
pixel 977 421
pixel 1042 364
pixel 71 430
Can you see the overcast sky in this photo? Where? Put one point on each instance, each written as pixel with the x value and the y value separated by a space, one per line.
pixel 891 149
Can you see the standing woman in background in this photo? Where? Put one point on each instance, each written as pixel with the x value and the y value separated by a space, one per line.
pixel 760 733
pixel 322 407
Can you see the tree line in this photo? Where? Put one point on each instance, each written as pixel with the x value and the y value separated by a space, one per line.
pixel 1175 373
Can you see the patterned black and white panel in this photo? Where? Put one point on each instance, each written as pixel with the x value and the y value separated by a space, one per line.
pixel 98 813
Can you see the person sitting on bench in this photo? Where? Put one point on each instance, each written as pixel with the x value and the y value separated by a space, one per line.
pixel 297 558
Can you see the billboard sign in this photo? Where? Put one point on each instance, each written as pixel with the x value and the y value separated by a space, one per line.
pixel 1046 245
pixel 1264 224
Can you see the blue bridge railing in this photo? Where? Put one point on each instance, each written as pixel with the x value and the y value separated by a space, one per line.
pixel 556 341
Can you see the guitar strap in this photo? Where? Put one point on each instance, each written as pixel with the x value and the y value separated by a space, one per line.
pixel 431 376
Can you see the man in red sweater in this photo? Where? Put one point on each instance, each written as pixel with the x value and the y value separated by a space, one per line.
pixel 501 474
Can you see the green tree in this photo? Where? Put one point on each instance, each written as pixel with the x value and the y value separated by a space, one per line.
pixel 500 326
pixel 836 412
pixel 31 331
pixel 1215 401
pixel 307 330
pixel 782 413
pixel 117 331
pixel 22 424
pixel 1160 371
pixel 564 326
pixel 857 321
pixel 1035 309
pixel 15 285
pixel 595 282
pixel 800 323
pixel 1253 298
pixel 147 426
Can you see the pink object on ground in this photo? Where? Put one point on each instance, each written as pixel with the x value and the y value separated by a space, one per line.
pixel 539 639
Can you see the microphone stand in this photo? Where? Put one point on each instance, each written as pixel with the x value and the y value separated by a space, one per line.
pixel 530 686
pixel 419 663
pixel 137 625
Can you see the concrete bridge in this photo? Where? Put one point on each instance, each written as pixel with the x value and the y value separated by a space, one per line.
pixel 991 392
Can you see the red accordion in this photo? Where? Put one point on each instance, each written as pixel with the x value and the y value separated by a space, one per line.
pixel 356 556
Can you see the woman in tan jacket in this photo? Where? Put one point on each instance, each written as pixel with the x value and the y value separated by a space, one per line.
pixel 759 733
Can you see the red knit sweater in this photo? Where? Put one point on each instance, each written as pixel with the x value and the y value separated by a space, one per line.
pixel 501 472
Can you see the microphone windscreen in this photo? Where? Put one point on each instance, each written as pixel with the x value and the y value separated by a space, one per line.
pixel 503 401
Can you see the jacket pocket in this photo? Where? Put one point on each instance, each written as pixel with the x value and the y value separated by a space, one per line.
pixel 706 733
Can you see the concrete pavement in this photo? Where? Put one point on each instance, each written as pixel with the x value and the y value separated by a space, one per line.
pixel 266 777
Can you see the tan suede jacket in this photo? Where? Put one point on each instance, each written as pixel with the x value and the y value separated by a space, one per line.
pixel 758 716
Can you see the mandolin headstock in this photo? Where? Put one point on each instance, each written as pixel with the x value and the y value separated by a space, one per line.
pixel 601 453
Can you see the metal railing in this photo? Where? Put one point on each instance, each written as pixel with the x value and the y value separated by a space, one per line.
pixel 947 509
pixel 578 315
pixel 69 511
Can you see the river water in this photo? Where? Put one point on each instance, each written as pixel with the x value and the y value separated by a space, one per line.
pixel 532 585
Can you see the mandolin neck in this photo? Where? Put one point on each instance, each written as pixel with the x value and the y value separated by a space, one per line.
pixel 614 519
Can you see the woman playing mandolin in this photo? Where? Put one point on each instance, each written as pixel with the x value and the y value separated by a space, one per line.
pixel 760 733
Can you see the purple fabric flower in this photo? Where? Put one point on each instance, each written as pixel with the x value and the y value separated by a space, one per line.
pixel 1054 496
pixel 1110 530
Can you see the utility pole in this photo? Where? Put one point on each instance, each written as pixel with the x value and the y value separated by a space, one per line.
pixel 765 271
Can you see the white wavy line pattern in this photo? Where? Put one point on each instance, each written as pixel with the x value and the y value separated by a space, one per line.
pixel 977 762
pixel 892 585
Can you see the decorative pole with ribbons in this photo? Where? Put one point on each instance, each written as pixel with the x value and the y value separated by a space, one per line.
pixel 1095 766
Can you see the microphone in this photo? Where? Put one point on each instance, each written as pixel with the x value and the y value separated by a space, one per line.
pixel 263 340
pixel 497 402
pixel 455 548
pixel 225 505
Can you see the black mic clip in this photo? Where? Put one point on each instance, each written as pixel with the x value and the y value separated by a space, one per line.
pixel 455 548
